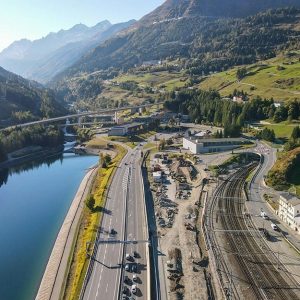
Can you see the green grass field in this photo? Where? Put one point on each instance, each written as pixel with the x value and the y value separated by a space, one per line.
pixel 278 78
pixel 164 79
pixel 282 130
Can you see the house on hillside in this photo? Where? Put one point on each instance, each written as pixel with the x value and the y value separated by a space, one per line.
pixel 289 210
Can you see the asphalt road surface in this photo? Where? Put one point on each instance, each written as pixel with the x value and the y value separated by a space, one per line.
pixel 124 213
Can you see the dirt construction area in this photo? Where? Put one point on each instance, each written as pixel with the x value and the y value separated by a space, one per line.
pixel 178 197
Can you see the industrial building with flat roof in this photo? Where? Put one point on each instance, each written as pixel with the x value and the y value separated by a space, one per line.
pixel 207 145
pixel 126 129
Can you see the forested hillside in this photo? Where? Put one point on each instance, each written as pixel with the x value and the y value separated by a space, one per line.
pixel 214 8
pixel 207 107
pixel 22 100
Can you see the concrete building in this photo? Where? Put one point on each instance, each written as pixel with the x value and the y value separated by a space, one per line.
pixel 289 210
pixel 203 145
pixel 127 129
pixel 157 176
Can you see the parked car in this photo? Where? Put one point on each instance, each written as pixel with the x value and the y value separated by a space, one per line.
pixel 134 277
pixel 274 227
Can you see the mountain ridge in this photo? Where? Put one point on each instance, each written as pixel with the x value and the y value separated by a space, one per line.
pixel 43 58
pixel 213 8
pixel 191 38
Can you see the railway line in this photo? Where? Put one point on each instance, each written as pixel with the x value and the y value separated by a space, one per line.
pixel 266 277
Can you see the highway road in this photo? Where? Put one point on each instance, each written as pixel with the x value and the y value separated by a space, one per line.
pixel 90 113
pixel 136 227
pixel 124 212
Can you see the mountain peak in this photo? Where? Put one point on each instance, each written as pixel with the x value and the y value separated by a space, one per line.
pixel 79 27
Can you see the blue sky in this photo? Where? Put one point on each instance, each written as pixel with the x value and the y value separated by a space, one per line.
pixel 33 19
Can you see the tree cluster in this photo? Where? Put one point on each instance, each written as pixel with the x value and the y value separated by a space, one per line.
pixel 294 140
pixel 266 134
pixel 207 107
pixel 18 138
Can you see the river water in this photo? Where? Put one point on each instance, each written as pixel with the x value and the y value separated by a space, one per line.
pixel 34 201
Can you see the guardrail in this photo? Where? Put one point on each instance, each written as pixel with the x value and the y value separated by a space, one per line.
pixel 147 235
pixel 125 234
pixel 95 248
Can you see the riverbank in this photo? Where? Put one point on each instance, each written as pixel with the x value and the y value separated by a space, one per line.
pixel 38 154
pixel 53 278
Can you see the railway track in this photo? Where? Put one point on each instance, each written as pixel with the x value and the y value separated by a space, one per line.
pixel 267 278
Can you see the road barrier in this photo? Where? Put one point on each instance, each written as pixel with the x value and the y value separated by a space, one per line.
pixel 147 235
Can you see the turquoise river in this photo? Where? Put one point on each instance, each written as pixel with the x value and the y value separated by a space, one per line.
pixel 34 201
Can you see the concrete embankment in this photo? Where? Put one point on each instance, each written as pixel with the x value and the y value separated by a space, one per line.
pixel 53 279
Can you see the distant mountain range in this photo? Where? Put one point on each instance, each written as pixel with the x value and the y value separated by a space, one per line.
pixel 22 100
pixel 42 59
pixel 207 33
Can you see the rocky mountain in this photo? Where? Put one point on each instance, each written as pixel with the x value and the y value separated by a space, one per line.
pixel 22 100
pixel 203 44
pixel 213 8
pixel 42 59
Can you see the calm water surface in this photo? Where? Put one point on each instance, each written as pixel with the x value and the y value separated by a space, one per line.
pixel 33 204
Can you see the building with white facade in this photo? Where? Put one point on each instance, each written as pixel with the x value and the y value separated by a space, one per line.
pixel 289 210
pixel 127 129
pixel 206 145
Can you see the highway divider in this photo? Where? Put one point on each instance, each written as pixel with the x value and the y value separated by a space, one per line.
pixel 147 236
pixel 124 235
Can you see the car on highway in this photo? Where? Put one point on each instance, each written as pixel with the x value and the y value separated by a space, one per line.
pixel 125 290
pixel 264 215
pixel 113 232
pixel 129 257
pixel 134 268
pixel 127 267
pixel 133 289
